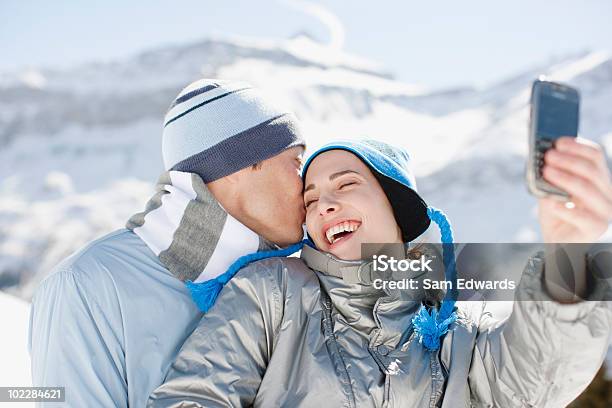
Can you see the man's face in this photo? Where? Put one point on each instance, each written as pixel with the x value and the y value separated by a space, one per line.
pixel 271 197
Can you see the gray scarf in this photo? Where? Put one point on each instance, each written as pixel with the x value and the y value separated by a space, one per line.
pixel 193 236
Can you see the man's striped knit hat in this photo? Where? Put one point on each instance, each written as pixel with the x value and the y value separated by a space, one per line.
pixel 215 128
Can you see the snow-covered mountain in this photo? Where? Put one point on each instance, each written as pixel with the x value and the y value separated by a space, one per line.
pixel 80 148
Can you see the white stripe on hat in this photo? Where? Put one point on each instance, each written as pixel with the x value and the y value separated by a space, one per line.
pixel 201 83
pixel 201 98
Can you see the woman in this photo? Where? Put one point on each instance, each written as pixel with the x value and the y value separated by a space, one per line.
pixel 315 332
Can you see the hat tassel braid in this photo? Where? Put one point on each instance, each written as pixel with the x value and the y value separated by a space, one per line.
pixel 431 325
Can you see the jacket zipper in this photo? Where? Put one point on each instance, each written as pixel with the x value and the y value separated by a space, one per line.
pixel 334 348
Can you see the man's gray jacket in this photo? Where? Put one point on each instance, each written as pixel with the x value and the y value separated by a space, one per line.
pixel 108 322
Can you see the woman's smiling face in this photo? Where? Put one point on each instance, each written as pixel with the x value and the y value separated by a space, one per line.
pixel 346 206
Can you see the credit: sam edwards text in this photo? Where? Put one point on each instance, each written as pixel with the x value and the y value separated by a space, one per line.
pixel 462 284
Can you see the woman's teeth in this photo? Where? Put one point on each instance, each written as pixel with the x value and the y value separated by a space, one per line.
pixel 347 226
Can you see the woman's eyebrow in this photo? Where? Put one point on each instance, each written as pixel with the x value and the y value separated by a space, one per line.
pixel 332 177
pixel 341 173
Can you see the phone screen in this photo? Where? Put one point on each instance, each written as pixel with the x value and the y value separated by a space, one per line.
pixel 557 116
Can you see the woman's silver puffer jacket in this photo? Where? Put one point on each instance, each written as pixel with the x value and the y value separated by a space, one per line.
pixel 285 335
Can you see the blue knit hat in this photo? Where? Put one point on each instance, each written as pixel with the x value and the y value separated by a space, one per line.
pixel 390 165
pixel 214 128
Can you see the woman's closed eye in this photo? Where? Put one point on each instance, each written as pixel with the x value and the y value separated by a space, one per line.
pixel 346 184
pixel 310 201
pixel 341 185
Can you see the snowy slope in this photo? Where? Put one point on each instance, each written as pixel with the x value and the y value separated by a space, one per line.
pixel 15 366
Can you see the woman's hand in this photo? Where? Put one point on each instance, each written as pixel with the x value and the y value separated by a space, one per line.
pixel 578 167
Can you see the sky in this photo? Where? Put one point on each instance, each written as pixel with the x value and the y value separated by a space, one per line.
pixel 436 44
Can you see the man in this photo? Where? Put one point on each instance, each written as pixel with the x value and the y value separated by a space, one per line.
pixel 110 320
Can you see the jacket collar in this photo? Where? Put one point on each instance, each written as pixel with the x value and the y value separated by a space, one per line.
pixel 384 315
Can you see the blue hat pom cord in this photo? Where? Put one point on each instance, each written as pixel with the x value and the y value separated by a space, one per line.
pixel 205 294
pixel 430 326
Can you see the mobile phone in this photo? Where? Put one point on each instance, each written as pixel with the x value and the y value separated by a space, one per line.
pixel 554 113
